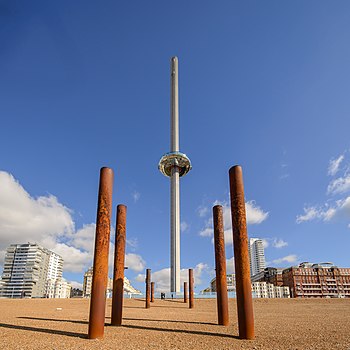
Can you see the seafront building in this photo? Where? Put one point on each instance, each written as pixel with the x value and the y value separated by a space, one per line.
pixel 230 280
pixel 268 290
pixel 259 289
pixel 32 271
pixel 323 280
pixel 256 256
pixel 271 275
pixel 87 285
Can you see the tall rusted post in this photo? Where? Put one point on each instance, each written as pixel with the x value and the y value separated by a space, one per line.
pixel 119 261
pixel 100 266
pixel 190 283
pixel 152 292
pixel 220 266
pixel 185 292
pixel 148 289
pixel 240 243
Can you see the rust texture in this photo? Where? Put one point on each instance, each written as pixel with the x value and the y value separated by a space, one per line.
pixel 191 291
pixel 100 266
pixel 152 292
pixel 240 244
pixel 220 266
pixel 148 288
pixel 119 264
pixel 185 292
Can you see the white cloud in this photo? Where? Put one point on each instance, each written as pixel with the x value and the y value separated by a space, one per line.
pixel 339 185
pixel 334 165
pixel 287 259
pixel 184 226
pixel 230 265
pixel 45 221
pixel 76 284
pixel 134 262
pixel 255 215
pixel 265 242
pixel 202 211
pixel 133 243
pixel 279 243
pixel 162 277
pixel 136 196
pixel 207 232
pixel 310 213
pixel 339 211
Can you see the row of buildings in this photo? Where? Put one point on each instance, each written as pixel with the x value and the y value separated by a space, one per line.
pixel 260 289
pixel 307 280
pixel 31 271
pixel 87 285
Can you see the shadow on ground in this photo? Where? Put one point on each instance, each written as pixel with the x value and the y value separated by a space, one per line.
pixel 43 330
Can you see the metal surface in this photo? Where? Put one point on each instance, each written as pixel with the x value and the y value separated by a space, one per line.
pixel 220 266
pixel 172 159
pixel 119 262
pixel 191 287
pixel 174 165
pixel 100 266
pixel 148 288
pixel 175 231
pixel 185 292
pixel 152 292
pixel 240 243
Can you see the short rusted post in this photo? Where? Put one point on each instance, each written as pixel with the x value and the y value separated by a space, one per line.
pixel 148 288
pixel 240 243
pixel 220 266
pixel 152 292
pixel 190 283
pixel 119 261
pixel 100 266
pixel 185 292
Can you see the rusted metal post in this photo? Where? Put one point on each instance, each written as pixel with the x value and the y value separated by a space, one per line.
pixel 220 266
pixel 119 262
pixel 185 292
pixel 152 292
pixel 240 244
pixel 190 283
pixel 100 266
pixel 148 289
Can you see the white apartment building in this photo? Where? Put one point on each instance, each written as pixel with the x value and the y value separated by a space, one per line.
pixel 87 285
pixel 59 288
pixel 27 269
pixel 259 289
pixel 256 256
pixel 268 290
pixel 230 280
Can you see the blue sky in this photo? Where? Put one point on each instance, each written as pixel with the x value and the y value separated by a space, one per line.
pixel 262 84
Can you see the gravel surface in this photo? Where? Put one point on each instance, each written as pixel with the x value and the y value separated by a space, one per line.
pixel 280 324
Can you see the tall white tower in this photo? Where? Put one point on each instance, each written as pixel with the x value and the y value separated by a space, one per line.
pixel 256 255
pixel 174 165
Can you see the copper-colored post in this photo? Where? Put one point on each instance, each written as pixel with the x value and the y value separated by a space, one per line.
pixel 190 283
pixel 240 243
pixel 148 289
pixel 185 292
pixel 119 261
pixel 152 292
pixel 220 267
pixel 100 266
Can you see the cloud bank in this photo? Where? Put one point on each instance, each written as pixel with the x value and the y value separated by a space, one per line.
pixel 46 221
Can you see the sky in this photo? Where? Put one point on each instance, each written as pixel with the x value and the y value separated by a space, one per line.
pixel 263 84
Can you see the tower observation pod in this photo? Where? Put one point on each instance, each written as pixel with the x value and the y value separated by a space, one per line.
pixel 174 165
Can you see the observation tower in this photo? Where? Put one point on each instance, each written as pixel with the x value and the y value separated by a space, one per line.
pixel 174 165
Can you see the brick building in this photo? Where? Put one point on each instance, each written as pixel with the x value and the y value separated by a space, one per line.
pixel 271 275
pixel 322 280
